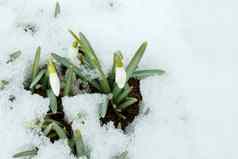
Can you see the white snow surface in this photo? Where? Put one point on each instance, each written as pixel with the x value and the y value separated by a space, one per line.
pixel 193 108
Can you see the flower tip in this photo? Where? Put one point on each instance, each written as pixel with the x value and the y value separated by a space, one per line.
pixel 53 78
pixel 120 77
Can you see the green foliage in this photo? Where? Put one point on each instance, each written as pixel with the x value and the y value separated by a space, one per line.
pixel 3 84
pixel 27 153
pixel 57 10
pixel 35 66
pixel 135 60
pixel 37 78
pixel 121 98
pixel 14 56
pixel 123 155
pixel 53 101
pixel 142 74
pixel 69 79
pixel 79 144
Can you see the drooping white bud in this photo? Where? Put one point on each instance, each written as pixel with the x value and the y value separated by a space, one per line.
pixel 120 73
pixel 53 78
pixel 74 54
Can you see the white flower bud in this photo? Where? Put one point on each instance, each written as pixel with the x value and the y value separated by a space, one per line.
pixel 73 54
pixel 120 72
pixel 53 77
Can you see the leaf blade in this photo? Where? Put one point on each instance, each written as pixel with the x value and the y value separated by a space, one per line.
pixel 35 66
pixel 37 79
pixel 57 10
pixel 136 60
pixel 32 152
pixel 69 80
pixel 80 147
pixel 128 102
pixel 65 62
pixel 53 101
pixel 142 74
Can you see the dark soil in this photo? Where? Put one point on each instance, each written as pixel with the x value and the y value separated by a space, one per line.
pixel 60 117
pixel 130 112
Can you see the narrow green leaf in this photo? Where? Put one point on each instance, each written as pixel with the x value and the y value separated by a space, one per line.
pixel 116 91
pixel 45 80
pixel 88 50
pixel 3 84
pixel 80 148
pixel 35 66
pixel 123 155
pixel 37 78
pixel 128 102
pixel 48 129
pixel 112 74
pixel 28 153
pixel 142 74
pixel 69 81
pixel 124 94
pixel 57 10
pixel 65 62
pixel 74 35
pixel 53 101
pixel 104 84
pixel 14 56
pixel 135 60
pixel 120 115
pixel 103 108
pixel 59 130
pixel 91 56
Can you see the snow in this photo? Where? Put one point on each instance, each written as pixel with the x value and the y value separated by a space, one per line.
pixel 103 142
pixel 193 108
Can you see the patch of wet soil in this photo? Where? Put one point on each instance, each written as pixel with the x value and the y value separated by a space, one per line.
pixel 129 113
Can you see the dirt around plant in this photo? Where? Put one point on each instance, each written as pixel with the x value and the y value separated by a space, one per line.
pixel 129 113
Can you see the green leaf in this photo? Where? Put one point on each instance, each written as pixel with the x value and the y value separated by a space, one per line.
pixel 92 58
pixel 93 61
pixel 103 108
pixel 48 129
pixel 74 35
pixel 28 153
pixel 142 74
pixel 37 78
pixel 57 10
pixel 135 60
pixel 53 101
pixel 14 56
pixel 69 81
pixel 80 148
pixel 59 130
pixel 88 50
pixel 45 80
pixel 123 94
pixel 3 84
pixel 123 155
pixel 128 102
pixel 116 91
pixel 65 62
pixel 35 66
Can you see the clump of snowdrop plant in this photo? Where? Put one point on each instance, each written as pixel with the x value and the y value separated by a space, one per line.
pixel 46 82
pixel 116 83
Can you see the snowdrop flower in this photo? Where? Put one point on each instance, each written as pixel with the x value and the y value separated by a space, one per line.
pixel 120 71
pixel 73 54
pixel 54 79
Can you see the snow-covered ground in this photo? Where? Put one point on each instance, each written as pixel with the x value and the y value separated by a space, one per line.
pixel 193 108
